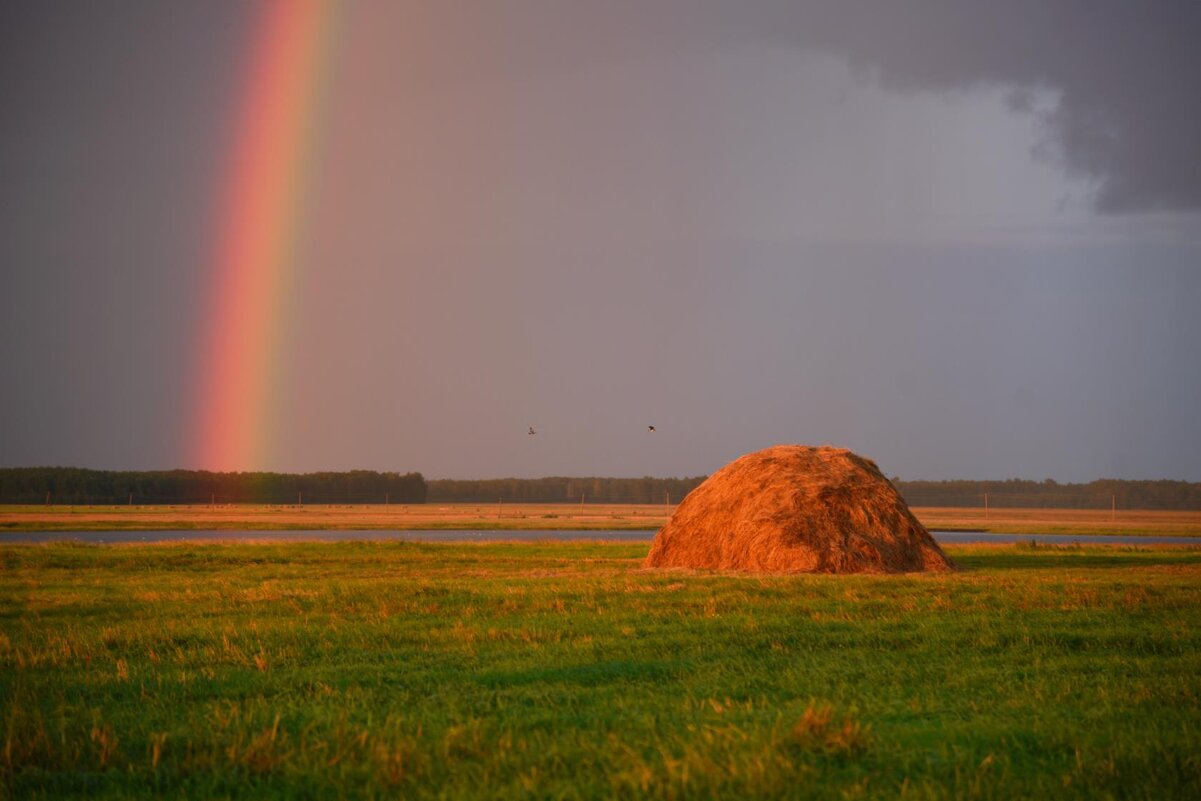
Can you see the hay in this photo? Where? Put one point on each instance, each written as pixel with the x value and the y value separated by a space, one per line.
pixel 796 509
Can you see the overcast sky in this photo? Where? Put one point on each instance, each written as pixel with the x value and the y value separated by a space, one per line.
pixel 963 239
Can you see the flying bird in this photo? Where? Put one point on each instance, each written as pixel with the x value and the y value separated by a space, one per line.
pixel 650 428
pixel 532 431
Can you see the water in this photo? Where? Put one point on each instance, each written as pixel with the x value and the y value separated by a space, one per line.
pixel 445 535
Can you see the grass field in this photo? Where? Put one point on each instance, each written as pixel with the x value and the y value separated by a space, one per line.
pixel 557 670
pixel 541 516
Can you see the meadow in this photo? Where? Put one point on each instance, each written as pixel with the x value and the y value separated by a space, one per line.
pixel 538 516
pixel 563 670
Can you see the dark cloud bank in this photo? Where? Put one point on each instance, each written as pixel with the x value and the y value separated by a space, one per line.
pixel 1126 75
pixel 1123 76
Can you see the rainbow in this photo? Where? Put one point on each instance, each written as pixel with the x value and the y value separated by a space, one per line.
pixel 259 213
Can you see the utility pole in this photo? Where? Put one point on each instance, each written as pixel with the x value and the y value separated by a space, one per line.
pixel 986 506
pixel 47 497
pixel 1113 506
pixel 131 499
pixel 300 497
pixel 500 505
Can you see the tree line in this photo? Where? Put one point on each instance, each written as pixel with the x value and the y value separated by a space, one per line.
pixel 1178 495
pixel 72 485
pixel 562 489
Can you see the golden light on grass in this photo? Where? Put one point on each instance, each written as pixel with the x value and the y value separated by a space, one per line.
pixel 674 685
pixel 820 729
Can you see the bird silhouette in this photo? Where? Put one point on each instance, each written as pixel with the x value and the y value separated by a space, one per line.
pixel 532 431
pixel 650 428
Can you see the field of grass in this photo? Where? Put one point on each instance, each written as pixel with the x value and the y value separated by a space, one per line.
pixel 1130 522
pixel 513 517
pixel 541 516
pixel 562 670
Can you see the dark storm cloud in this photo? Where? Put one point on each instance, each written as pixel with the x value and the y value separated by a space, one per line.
pixel 1126 74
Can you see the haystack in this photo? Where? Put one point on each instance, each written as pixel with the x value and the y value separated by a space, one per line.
pixel 796 509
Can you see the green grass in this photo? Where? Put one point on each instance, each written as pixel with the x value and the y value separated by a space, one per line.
pixel 561 670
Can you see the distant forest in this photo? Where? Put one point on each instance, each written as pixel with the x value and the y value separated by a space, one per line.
pixel 70 485
pixel 1011 493
pixel 560 489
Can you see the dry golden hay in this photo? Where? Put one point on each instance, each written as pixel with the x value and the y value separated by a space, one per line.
pixel 797 509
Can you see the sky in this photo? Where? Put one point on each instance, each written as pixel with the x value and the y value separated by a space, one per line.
pixel 962 239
